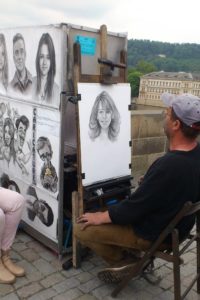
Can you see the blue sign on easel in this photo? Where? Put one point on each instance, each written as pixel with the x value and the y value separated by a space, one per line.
pixel 88 44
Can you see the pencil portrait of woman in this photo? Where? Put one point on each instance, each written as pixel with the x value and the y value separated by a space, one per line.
pixel 8 139
pixel 3 65
pixel 45 90
pixel 104 123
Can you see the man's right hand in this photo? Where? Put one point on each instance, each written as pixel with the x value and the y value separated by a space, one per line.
pixel 96 218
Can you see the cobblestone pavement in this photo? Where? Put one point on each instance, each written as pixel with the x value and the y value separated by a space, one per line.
pixel 45 278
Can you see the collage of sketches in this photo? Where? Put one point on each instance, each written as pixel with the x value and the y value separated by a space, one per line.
pixel 27 146
pixel 30 71
pixel 41 88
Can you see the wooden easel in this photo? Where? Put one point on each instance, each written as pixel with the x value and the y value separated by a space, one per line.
pixel 104 77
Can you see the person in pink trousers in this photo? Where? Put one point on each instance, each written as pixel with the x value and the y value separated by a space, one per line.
pixel 11 208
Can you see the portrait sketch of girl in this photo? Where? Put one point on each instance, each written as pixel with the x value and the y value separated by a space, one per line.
pixel 104 131
pixel 7 149
pixel 45 89
pixel 104 123
pixel 3 65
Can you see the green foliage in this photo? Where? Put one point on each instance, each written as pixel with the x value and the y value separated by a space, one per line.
pixel 164 56
pixel 134 80
pixel 145 67
pixel 146 56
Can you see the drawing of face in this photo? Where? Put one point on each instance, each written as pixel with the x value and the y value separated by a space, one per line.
pixel 39 206
pixel 19 55
pixel 45 154
pixel 7 136
pixel 2 57
pixel 21 134
pixel 44 61
pixel 104 116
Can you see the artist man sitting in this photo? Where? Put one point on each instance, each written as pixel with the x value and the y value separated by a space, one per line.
pixel 170 181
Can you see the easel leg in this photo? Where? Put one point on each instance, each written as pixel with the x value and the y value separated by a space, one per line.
pixel 76 246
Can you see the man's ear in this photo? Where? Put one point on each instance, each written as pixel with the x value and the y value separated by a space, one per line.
pixel 176 124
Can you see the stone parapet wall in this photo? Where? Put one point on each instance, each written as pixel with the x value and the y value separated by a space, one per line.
pixel 148 139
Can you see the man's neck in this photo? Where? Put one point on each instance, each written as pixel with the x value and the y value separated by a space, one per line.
pixel 182 144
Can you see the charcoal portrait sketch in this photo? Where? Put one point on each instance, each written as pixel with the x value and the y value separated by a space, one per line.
pixel 7 149
pixel 48 175
pixel 104 123
pixel 104 131
pixel 22 124
pixel 45 90
pixel 38 208
pixel 22 80
pixel 3 65
pixel 14 146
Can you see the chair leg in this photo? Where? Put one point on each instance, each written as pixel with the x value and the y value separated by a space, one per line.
pixel 198 253
pixel 176 266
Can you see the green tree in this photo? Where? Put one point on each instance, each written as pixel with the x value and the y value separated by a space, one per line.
pixel 145 67
pixel 134 80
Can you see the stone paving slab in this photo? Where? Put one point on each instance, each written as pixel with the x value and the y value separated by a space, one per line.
pixel 46 280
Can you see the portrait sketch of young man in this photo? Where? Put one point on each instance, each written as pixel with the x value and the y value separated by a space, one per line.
pixel 22 80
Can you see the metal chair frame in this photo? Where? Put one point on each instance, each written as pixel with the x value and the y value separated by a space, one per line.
pixel 173 255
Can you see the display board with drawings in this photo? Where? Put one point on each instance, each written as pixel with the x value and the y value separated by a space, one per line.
pixel 104 131
pixel 31 60
pixel 29 160
pixel 31 78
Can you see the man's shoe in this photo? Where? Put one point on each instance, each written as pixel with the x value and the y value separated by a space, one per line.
pixel 116 273
pixel 5 275
pixel 11 266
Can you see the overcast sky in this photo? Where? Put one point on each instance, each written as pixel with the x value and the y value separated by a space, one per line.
pixel 174 21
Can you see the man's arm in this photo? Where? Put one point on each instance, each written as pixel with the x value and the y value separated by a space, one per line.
pixel 96 218
pixel 147 198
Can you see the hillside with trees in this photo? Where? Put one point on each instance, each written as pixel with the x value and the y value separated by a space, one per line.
pixel 165 56
pixel 146 56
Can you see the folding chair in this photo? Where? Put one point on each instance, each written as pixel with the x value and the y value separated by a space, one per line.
pixel 173 255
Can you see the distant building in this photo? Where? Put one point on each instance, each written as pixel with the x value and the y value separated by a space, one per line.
pixel 152 85
pixel 162 55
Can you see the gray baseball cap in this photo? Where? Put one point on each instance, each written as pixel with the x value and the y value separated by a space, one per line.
pixel 185 106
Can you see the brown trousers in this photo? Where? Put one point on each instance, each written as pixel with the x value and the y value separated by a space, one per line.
pixel 110 240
